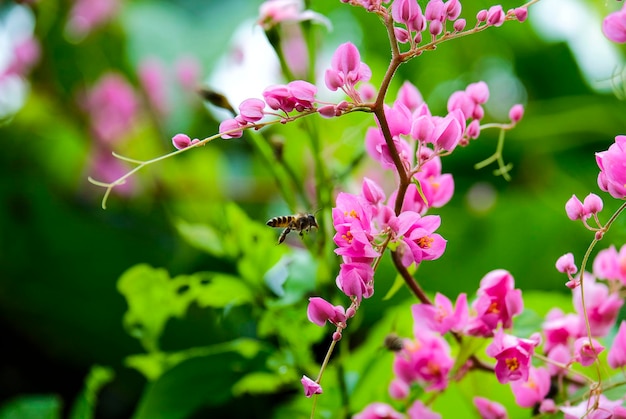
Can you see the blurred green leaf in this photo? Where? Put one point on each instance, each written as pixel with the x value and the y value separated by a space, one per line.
pixel 258 383
pixel 194 383
pixel 85 405
pixel 203 237
pixel 32 407
pixel 154 364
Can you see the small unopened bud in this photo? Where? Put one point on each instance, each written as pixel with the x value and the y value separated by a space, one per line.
pixel 521 13
pixel 337 336
pixel 459 25
pixel 516 113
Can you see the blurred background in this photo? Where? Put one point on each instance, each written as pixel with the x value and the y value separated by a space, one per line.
pixel 87 330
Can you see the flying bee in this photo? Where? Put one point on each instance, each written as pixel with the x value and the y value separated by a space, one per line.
pixel 300 222
pixel 393 342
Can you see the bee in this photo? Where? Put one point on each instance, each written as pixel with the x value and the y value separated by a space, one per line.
pixel 300 222
pixel 393 342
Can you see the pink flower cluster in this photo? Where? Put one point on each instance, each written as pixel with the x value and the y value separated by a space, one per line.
pixel 297 95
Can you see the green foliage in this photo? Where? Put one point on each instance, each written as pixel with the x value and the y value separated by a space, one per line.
pixel 32 407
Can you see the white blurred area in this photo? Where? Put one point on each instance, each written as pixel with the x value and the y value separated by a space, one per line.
pixel 579 25
pixel 16 24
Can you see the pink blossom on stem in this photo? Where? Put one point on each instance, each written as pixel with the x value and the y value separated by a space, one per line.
pixel 614 26
pixel 521 13
pixel 228 125
pixel 516 113
pixel 495 16
pixel 409 96
pixel 251 110
pixel 513 356
pixel 409 13
pixel 435 11
pixel 310 387
pixel 565 264
pixel 602 307
pixel 559 354
pixel 534 390
pixel 559 328
pixel 378 411
pixel 617 352
pixel 586 351
pixel 488 409
pixel 448 131
pixel 497 303
pixel 426 360
pixel 355 279
pixel 574 208
pixel 181 141
pixel 592 204
pixel 453 9
pixel 347 70
pixel 612 163
pixel 441 316
pixel 319 311
pixel 422 241
pixel 610 264
pixel 459 25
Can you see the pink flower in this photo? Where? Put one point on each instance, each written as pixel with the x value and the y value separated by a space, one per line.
pixel 409 96
pixel 497 303
pixel 409 13
pixel 565 264
pixel 574 208
pixel 612 163
pixel 426 360
pixel 559 328
pixel 448 131
pixel 495 15
pixel 419 411
pixel 181 141
pixel 378 411
pixel 516 113
pixel 602 307
pixel 586 351
pixel 231 125
pixel 614 26
pixel 534 390
pixel 440 316
pixel 319 311
pixel 611 265
pixel 310 387
pixel 152 78
pixel 617 352
pixel 355 279
pixel 422 241
pixel 489 409
pixel 251 110
pixel 188 71
pixel 459 25
pixel 297 94
pixel 112 106
pixel 86 15
pixel 513 356
pixel 347 70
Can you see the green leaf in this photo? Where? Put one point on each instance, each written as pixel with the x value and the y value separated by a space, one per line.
pixel 32 407
pixel 154 364
pixel 151 302
pixel 192 384
pixel 224 290
pixel 202 236
pixel 85 404
pixel 258 383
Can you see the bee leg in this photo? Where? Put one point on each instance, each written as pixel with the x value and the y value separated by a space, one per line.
pixel 283 235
